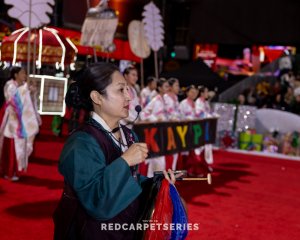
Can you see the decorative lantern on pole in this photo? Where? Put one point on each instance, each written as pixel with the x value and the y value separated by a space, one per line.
pixel 154 30
pixel 99 28
pixel 52 48
pixel 138 43
pixel 32 14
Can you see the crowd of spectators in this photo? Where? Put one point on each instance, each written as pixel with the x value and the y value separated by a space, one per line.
pixel 283 94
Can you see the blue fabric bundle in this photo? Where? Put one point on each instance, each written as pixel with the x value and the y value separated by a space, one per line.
pixel 179 216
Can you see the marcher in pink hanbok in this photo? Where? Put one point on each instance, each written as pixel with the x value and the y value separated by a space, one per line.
pixel 187 105
pixel 203 110
pixel 187 112
pixel 19 126
pixel 173 114
pixel 202 106
pixel 149 92
pixel 131 77
pixel 156 111
pixel 171 100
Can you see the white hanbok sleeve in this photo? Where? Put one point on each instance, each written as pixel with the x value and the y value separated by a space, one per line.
pixel 132 104
pixel 145 97
pixel 154 111
pixel 199 108
pixel 10 90
pixel 172 108
pixel 186 111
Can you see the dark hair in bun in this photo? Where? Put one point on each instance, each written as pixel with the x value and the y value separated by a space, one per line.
pixel 188 88
pixel 96 76
pixel 13 71
pixel 172 80
pixel 129 69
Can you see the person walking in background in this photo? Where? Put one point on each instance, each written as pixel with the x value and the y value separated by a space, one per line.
pixel 19 126
pixel 99 162
pixel 131 77
pixel 187 112
pixel 156 111
pixel 187 105
pixel 173 113
pixel 171 99
pixel 148 92
pixel 203 110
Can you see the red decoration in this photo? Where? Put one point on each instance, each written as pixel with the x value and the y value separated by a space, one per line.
pixel 227 140
pixel 122 51
pixel 51 47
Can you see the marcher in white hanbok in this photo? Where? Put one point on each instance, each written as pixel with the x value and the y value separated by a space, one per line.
pixel 131 77
pixel 187 105
pixel 202 106
pixel 149 92
pixel 203 110
pixel 187 112
pixel 171 100
pixel 172 107
pixel 19 125
pixel 156 111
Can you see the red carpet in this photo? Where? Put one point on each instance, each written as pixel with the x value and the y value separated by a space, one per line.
pixel 250 198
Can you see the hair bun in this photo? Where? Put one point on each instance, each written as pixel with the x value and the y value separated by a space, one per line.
pixel 74 97
pixel 78 75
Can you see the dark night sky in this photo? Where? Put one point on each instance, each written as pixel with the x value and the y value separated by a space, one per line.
pixel 246 21
pixel 216 21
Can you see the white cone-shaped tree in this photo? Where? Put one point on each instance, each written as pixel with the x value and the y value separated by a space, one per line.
pixel 32 14
pixel 154 29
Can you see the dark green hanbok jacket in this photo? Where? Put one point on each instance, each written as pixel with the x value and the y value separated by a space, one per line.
pixel 99 186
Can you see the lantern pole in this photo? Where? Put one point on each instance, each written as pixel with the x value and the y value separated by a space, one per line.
pixel 142 73
pixel 29 35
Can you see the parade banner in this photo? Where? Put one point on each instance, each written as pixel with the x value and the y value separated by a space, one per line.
pixel 171 137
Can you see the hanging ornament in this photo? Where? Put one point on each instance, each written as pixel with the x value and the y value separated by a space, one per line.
pixel 154 30
pixel 137 40
pixel 153 26
pixel 99 27
pixel 52 48
pixel 32 14
pixel 138 43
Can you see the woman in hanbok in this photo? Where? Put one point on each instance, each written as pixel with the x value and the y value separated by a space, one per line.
pixel 131 77
pixel 148 92
pixel 187 112
pixel 19 126
pixel 156 111
pixel 187 105
pixel 99 162
pixel 171 100
pixel 203 110
pixel 202 106
pixel 173 113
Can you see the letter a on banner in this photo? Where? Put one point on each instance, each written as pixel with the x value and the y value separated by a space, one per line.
pixel 171 139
